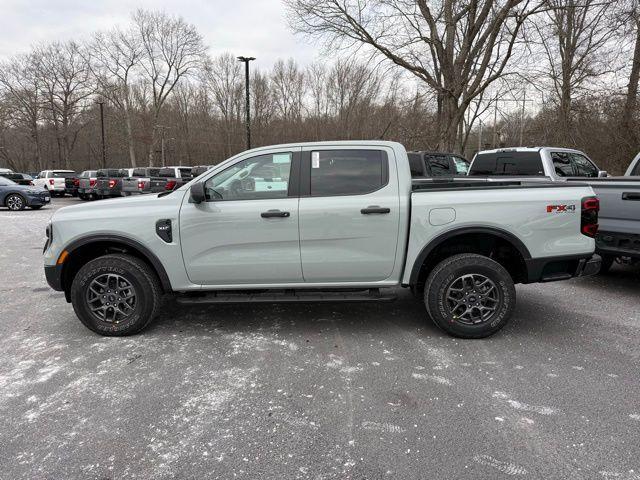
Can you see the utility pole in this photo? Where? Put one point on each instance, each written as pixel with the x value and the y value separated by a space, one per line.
pixel 104 148
pixel 524 101
pixel 480 136
pixel 246 61
pixel 495 122
pixel 163 158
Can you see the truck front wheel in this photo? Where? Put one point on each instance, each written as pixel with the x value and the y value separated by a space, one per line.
pixel 116 295
pixel 469 296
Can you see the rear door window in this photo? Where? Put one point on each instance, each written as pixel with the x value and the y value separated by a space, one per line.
pixel 347 172
pixel 439 165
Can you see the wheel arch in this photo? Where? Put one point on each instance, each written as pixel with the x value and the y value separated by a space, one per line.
pixel 89 247
pixel 457 236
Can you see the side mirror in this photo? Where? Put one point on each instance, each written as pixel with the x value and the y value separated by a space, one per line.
pixel 197 192
pixel 602 173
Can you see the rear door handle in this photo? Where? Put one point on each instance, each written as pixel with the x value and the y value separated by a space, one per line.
pixel 630 196
pixel 374 209
pixel 275 214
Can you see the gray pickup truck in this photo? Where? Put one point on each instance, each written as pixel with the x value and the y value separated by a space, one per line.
pixel 321 222
pixel 109 182
pixel 144 180
pixel 619 232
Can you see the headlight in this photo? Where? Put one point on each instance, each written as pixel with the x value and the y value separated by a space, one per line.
pixel 49 233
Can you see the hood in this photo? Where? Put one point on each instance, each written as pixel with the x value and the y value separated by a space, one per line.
pixel 118 206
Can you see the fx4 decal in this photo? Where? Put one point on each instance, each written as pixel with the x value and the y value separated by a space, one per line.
pixel 561 208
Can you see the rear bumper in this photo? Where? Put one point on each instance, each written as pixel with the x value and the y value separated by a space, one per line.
pixel 53 274
pixel 552 269
pixel 618 244
pixel 105 192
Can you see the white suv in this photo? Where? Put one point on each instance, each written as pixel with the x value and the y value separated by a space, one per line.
pixel 53 180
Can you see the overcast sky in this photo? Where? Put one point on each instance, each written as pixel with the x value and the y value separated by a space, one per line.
pixel 242 27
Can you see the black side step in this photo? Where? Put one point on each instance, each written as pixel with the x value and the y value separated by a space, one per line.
pixel 287 296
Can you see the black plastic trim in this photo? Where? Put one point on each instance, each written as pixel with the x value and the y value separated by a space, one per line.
pixel 536 266
pixel 149 255
pixel 53 274
pixel 436 242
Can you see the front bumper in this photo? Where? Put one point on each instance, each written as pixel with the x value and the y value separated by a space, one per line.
pixel 39 199
pixel 553 269
pixel 53 274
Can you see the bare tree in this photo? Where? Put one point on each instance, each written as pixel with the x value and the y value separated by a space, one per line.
pixel 575 35
pixel 115 59
pixel 173 49
pixel 458 48
pixel 65 78
pixel 20 86
pixel 631 17
pixel 223 79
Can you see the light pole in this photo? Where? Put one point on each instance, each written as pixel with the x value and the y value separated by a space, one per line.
pixel 104 149
pixel 246 61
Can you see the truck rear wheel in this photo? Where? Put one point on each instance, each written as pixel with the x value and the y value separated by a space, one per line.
pixel 116 295
pixel 469 296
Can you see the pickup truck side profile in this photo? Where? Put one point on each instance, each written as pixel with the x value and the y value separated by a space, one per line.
pixel 326 221
pixel 619 232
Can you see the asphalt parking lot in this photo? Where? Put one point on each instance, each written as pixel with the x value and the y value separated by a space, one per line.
pixel 316 391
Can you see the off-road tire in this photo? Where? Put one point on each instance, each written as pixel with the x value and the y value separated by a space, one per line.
pixel 450 270
pixel 142 278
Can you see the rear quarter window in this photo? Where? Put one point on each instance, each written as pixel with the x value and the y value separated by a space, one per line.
pixel 507 163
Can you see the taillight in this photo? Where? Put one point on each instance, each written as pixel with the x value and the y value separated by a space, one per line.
pixel 170 185
pixel 31 183
pixel 140 185
pixel 589 216
pixel 112 183
pixel 92 182
pixel 76 182
pixel 51 181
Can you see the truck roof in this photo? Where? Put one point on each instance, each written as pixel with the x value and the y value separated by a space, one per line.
pixel 528 149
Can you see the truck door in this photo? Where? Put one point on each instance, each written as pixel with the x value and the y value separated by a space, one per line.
pixel 349 214
pixel 247 230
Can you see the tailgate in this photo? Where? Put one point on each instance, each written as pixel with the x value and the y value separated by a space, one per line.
pixel 130 184
pixel 619 204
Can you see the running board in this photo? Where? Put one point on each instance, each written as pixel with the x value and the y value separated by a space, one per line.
pixel 288 296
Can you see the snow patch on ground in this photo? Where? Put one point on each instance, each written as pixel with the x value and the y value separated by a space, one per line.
pixel 507 468
pixel 523 406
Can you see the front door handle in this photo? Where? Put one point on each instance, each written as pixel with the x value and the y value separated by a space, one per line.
pixel 374 209
pixel 275 214
pixel 630 196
